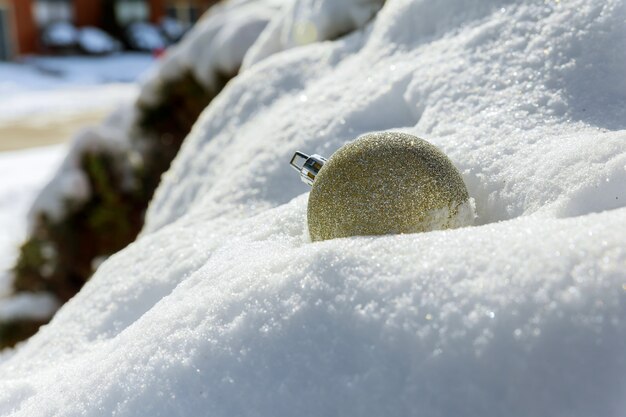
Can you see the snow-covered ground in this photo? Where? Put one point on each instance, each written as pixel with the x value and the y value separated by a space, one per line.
pixel 125 67
pixel 22 175
pixel 36 104
pixel 43 88
pixel 223 307
pixel 52 72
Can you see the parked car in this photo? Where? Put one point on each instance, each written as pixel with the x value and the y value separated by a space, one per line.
pixel 60 37
pixel 94 41
pixel 143 36
pixel 173 29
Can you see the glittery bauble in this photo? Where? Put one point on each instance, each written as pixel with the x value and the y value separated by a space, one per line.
pixel 386 183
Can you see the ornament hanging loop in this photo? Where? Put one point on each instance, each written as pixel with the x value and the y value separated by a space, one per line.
pixel 307 166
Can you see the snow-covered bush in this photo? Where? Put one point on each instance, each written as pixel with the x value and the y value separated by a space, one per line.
pixel 95 204
pixel 22 315
pixel 101 211
pixel 14 330
pixel 224 307
pixel 168 119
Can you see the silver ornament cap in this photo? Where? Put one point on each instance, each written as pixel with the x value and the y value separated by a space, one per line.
pixel 383 183
pixel 307 166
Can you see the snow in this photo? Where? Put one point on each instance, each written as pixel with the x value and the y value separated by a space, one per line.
pixel 215 46
pixel 224 307
pixel 61 86
pixel 70 180
pixel 127 67
pixel 302 22
pixel 19 77
pixel 28 306
pixel 43 93
pixel 22 174
pixel 75 100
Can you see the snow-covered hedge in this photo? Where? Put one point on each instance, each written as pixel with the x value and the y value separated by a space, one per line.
pixel 223 307
pixel 95 204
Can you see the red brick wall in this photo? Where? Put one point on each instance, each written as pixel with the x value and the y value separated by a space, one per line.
pixel 88 12
pixel 25 27
pixel 157 10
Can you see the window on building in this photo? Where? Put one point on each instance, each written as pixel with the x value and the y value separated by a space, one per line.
pixel 5 48
pixel 128 11
pixel 184 13
pixel 48 11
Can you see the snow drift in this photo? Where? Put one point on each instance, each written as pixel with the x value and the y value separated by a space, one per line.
pixel 224 308
pixel 95 204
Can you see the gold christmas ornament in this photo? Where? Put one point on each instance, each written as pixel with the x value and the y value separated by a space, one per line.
pixel 383 183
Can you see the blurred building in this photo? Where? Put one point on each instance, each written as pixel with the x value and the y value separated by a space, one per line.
pixel 22 21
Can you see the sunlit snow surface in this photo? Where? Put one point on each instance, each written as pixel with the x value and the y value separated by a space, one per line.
pixel 30 90
pixel 22 174
pixel 224 308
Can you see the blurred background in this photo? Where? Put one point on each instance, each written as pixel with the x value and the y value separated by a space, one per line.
pixel 93 26
pixel 65 67
pixel 57 56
